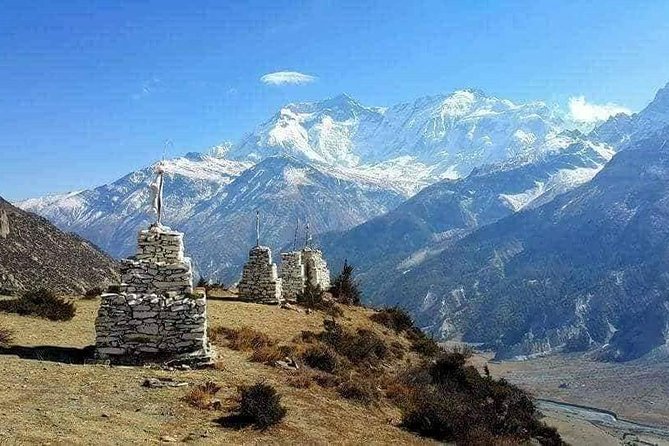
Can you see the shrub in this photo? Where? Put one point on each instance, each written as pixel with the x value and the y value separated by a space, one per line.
pixel 202 396
pixel 41 303
pixel 363 346
pixel 359 390
pixel 394 318
pixel 446 400
pixel 93 293
pixel 5 336
pixel 322 358
pixel 261 405
pixel 311 297
pixel 267 354
pixel 344 288
pixel 114 289
pixel 244 338
pixel 423 344
pixel 202 283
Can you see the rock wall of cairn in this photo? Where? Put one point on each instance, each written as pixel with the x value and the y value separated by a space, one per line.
pixel 292 274
pixel 316 268
pixel 260 281
pixel 155 315
pixel 159 265
pixel 135 325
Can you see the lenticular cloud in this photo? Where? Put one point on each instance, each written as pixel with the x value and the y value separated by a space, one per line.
pixel 287 77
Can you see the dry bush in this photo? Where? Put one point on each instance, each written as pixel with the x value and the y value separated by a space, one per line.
pixel 244 338
pixel 449 401
pixel 394 318
pixel 5 336
pixel 267 354
pixel 261 405
pixel 300 380
pixel 360 390
pixel 93 293
pixel 202 396
pixel 41 303
pixel 322 358
pixel 326 380
pixel 362 347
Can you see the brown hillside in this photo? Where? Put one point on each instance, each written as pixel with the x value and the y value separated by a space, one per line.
pixel 35 254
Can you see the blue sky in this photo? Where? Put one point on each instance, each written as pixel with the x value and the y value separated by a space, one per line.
pixel 90 90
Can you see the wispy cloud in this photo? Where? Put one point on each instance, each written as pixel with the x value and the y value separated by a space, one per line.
pixel 287 77
pixel 583 111
pixel 148 87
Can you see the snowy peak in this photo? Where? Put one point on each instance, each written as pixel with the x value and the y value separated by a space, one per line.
pixel 444 136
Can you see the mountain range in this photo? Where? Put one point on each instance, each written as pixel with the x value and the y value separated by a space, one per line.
pixel 333 164
pixel 580 269
pixel 491 221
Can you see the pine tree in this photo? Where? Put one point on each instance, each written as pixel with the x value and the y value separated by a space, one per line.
pixel 344 287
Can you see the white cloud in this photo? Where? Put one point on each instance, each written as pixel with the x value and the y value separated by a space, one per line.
pixel 287 77
pixel 583 111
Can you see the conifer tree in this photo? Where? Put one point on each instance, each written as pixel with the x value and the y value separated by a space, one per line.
pixel 344 287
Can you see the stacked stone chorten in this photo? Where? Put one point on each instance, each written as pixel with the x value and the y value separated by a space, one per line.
pixel 292 274
pixel 316 268
pixel 260 281
pixel 154 315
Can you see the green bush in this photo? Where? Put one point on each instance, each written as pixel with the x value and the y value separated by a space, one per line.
pixel 344 288
pixel 260 404
pixel 41 303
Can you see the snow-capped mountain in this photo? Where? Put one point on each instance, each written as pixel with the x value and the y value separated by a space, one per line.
pixel 357 161
pixel 443 136
pixel 110 215
pixel 582 270
pixel 428 222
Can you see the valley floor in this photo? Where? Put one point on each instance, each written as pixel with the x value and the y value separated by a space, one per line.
pixel 45 400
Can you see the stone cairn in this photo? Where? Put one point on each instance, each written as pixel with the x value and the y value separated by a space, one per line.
pixel 260 281
pixel 154 316
pixel 298 267
pixel 292 274
pixel 316 268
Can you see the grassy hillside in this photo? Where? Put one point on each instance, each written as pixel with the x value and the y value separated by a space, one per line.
pixel 49 391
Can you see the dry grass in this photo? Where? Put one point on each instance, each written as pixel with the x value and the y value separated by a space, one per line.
pixel 202 396
pixel 5 336
pixel 47 400
pixel 244 338
pixel 300 380
pixel 267 354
